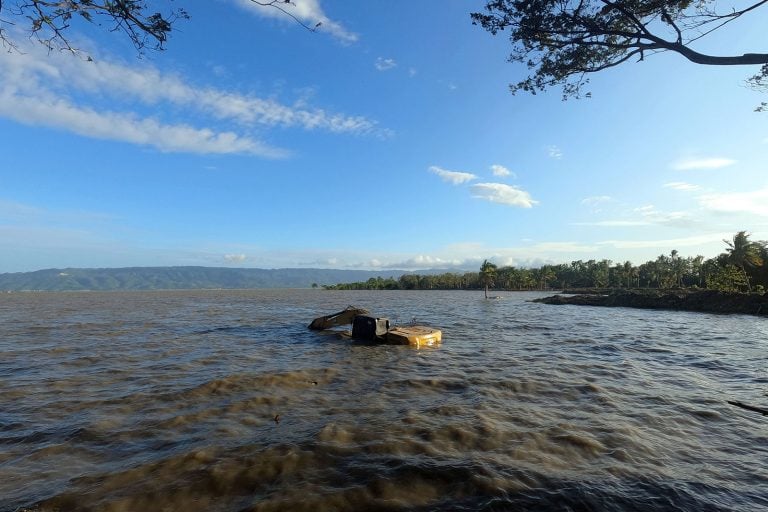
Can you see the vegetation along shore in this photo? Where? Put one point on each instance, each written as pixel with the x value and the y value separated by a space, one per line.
pixel 707 301
pixel 741 268
pixel 735 281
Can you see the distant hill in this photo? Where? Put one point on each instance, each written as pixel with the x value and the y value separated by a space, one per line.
pixel 182 278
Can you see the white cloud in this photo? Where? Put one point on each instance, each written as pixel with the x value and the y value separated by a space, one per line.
pixel 454 177
pixel 501 171
pixel 502 194
pixel 596 203
pixel 54 72
pixel 422 262
pixel 20 214
pixel 554 152
pixel 464 247
pixel 219 70
pixel 59 113
pixel 667 243
pixel 41 237
pixel 567 247
pixel 753 202
pixel 14 210
pixel 250 110
pixel 678 219
pixel 33 79
pixel 471 254
pixel 614 223
pixel 412 72
pixel 235 258
pixel 383 64
pixel 681 185
pixel 596 200
pixel 307 12
pixel 690 164
pixel 645 216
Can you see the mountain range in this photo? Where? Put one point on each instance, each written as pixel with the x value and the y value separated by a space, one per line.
pixel 178 278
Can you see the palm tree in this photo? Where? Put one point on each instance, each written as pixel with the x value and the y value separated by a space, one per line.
pixel 487 275
pixel 546 275
pixel 677 267
pixel 627 272
pixel 697 270
pixel 743 253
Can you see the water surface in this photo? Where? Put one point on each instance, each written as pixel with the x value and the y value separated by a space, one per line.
pixel 167 401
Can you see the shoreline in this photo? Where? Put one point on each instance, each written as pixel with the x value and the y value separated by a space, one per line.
pixel 702 301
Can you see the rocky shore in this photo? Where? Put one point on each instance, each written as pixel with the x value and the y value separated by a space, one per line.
pixel 707 301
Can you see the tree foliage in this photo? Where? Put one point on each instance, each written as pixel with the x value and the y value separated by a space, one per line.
pixel 48 21
pixel 744 253
pixel 742 267
pixel 759 82
pixel 563 41
pixel 487 275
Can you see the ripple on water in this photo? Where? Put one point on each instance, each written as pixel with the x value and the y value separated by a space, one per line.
pixel 224 401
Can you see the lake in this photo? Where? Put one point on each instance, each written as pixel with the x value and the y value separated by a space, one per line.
pixel 225 401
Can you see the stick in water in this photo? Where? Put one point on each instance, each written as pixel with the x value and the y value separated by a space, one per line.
pixel 764 412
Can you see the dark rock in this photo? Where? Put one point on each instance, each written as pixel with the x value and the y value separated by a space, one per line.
pixel 709 301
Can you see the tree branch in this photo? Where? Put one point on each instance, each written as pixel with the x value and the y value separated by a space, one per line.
pixel 49 20
pixel 610 64
pixel 713 60
pixel 562 40
pixel 668 19
pixel 275 4
pixel 730 17
pixel 629 15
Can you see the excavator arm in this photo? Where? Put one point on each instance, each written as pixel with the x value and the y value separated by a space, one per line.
pixel 344 317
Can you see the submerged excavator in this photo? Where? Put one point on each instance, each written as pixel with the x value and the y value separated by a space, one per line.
pixel 374 329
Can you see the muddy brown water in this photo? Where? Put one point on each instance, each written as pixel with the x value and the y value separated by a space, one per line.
pixel 144 401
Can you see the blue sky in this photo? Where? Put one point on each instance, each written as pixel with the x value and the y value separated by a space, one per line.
pixel 386 139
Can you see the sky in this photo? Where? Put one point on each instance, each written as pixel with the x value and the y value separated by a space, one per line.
pixel 386 139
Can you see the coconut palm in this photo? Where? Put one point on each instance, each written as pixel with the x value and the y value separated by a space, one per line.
pixel 677 267
pixel 546 276
pixel 743 253
pixel 626 272
pixel 487 275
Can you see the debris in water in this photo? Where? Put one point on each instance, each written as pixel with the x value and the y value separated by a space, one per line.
pixel 375 329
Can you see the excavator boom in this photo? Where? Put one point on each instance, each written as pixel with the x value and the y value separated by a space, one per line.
pixel 344 317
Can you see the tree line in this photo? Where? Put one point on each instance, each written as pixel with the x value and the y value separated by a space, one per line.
pixel 742 267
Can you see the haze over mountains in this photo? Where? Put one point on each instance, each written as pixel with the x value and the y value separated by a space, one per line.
pixel 183 278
